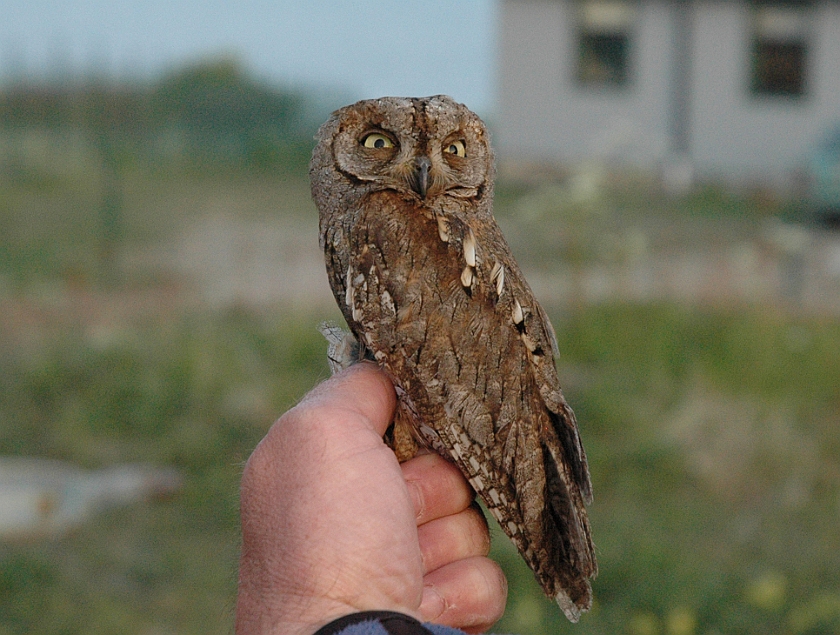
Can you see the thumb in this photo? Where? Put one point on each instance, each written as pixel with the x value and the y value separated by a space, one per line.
pixel 363 389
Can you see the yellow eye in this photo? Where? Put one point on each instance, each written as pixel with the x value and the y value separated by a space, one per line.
pixel 457 148
pixel 377 140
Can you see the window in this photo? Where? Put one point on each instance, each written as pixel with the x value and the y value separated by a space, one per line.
pixel 604 42
pixel 780 49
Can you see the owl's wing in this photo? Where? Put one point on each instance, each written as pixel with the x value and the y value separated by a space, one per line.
pixel 561 457
pixel 545 373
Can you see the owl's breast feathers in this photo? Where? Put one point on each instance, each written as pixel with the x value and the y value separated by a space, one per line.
pixel 436 296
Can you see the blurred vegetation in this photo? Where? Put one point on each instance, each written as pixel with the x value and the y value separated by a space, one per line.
pixel 84 164
pixel 712 441
pixel 711 432
pixel 210 112
pixel 197 393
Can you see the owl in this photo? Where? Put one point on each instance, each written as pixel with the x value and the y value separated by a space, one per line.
pixel 432 293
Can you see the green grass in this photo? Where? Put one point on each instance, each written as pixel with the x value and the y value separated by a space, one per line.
pixel 713 447
pixel 675 542
pixel 197 393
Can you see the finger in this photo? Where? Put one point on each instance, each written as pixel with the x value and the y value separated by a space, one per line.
pixel 451 538
pixel 437 487
pixel 362 389
pixel 347 413
pixel 468 594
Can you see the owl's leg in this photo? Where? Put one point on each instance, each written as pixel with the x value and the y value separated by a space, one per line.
pixel 402 440
pixel 342 348
pixel 343 351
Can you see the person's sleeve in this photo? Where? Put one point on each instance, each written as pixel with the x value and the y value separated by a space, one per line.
pixel 383 623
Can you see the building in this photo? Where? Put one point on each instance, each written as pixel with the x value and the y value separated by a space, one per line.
pixel 727 88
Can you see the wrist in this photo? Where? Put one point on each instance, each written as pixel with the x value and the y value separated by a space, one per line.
pixel 265 613
pixel 275 600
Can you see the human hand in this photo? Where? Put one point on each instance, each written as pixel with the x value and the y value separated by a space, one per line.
pixel 332 524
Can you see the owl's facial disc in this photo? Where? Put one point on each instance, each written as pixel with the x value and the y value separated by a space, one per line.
pixel 420 147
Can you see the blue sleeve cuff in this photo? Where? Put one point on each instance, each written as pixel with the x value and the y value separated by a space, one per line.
pixel 375 628
pixel 383 623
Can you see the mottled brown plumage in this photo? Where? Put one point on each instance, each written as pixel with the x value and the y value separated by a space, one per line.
pixel 431 291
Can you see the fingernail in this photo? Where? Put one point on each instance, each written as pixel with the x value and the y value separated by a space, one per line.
pixel 432 604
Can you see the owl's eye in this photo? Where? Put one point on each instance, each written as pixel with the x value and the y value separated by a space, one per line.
pixel 457 148
pixel 377 140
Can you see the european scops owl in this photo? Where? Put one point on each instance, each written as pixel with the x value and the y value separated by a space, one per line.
pixel 431 291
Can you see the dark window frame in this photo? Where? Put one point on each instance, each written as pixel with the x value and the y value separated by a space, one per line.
pixel 603 53
pixel 780 63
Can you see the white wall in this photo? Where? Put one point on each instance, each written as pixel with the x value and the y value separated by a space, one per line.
pixel 545 114
pixel 739 133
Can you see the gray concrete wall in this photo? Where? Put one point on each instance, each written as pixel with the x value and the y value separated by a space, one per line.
pixel 736 132
pixel 544 113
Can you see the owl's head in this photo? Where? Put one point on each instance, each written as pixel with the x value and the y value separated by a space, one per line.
pixel 424 148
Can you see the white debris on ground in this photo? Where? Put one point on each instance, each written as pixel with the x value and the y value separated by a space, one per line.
pixel 45 498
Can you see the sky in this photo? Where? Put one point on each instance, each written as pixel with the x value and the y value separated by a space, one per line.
pixel 354 48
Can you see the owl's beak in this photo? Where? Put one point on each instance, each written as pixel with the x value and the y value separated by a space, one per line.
pixel 420 182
